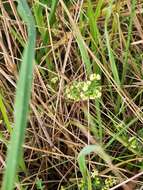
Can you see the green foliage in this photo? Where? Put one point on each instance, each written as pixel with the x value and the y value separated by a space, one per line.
pixel 89 39
pixel 39 184
pixel 84 90
pixel 110 51
pixel 125 66
pixel 97 182
pixel 82 162
pixel 22 100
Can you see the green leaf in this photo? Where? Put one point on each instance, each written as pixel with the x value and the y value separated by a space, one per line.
pixel 22 100
pixel 82 162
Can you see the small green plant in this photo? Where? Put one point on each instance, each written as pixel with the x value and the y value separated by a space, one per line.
pixel 82 185
pixel 39 184
pixel 90 178
pixel 108 183
pixel 84 90
pixel 98 183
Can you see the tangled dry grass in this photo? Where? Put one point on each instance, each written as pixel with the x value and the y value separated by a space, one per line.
pixel 58 128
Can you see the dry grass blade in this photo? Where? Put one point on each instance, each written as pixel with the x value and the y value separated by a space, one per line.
pixel 86 100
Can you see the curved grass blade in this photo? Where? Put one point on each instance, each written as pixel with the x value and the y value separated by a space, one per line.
pixel 22 99
pixel 82 161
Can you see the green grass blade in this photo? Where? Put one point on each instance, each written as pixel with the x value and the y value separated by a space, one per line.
pixel 52 12
pixel 93 19
pixel 22 99
pixel 82 161
pixel 4 114
pixel 17 36
pixel 125 65
pixel 39 19
pixel 80 42
pixel 84 54
pixel 110 53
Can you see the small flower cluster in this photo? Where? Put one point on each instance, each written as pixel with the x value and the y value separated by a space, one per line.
pixel 94 77
pixel 98 183
pixel 110 182
pixel 83 185
pixel 94 173
pixel 54 80
pixel 84 90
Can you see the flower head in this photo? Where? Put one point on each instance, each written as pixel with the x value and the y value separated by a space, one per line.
pixel 94 77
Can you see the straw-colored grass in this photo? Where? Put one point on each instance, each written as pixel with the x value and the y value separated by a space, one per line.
pixel 78 123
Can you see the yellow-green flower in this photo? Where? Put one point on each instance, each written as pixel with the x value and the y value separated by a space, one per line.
pixel 85 87
pixel 94 173
pixel 88 82
pixel 92 97
pixel 54 80
pixel 83 96
pixel 110 182
pixel 98 95
pixel 94 77
pixel 98 77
